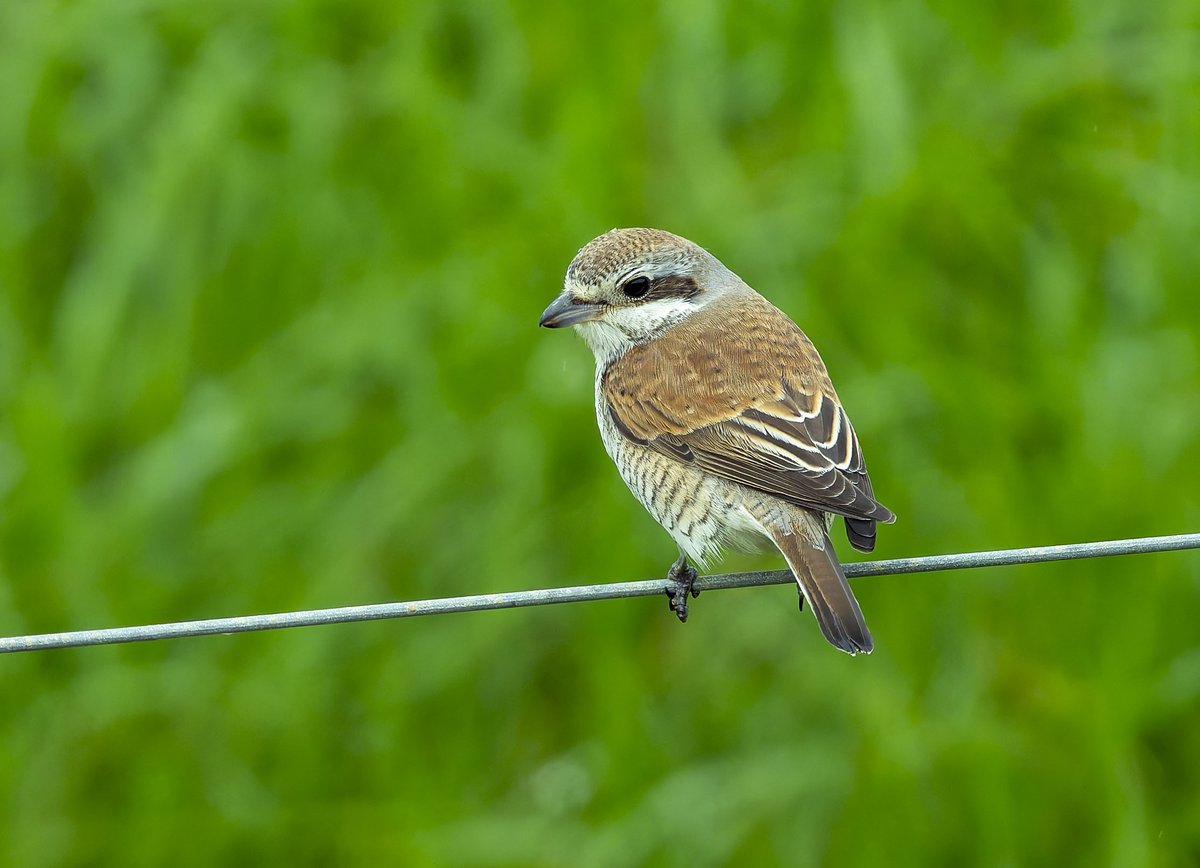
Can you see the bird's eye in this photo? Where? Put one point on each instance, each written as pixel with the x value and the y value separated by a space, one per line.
pixel 636 287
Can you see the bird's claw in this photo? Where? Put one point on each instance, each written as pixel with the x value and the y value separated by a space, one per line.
pixel 682 577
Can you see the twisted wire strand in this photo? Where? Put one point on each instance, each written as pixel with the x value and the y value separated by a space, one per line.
pixel 581 593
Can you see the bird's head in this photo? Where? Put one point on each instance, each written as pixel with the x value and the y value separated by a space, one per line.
pixel 630 285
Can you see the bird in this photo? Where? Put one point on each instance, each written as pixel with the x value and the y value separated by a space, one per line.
pixel 720 417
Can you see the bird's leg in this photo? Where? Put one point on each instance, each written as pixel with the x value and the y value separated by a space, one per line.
pixel 681 576
pixel 800 594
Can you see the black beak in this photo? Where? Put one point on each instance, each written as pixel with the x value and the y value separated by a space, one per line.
pixel 566 311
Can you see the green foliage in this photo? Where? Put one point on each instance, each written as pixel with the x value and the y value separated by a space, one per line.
pixel 271 274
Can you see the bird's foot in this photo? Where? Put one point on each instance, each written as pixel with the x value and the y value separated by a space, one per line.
pixel 682 577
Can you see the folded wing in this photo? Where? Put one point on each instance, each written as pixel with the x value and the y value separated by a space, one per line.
pixel 754 406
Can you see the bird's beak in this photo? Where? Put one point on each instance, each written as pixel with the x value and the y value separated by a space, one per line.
pixel 566 310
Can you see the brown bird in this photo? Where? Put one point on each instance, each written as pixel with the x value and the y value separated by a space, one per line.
pixel 720 416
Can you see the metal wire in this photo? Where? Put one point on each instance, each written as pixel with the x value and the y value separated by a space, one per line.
pixel 518 599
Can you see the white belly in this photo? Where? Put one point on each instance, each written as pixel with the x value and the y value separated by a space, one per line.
pixel 700 511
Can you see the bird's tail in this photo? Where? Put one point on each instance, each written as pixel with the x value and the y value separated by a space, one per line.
pixel 825 588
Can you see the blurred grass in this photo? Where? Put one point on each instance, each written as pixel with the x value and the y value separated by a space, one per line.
pixel 271 274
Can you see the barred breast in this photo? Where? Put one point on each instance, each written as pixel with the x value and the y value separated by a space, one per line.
pixel 700 511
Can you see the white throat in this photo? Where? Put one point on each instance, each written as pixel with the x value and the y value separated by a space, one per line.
pixel 627 326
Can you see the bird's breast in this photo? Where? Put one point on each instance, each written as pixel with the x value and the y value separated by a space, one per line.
pixel 699 510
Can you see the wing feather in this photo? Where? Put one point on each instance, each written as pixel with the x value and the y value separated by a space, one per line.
pixel 755 406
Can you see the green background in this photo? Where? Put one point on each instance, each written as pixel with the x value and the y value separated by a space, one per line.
pixel 271 276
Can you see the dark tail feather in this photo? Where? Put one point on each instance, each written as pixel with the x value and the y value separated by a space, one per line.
pixel 824 586
pixel 861 533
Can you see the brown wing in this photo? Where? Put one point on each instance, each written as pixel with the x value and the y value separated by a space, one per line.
pixel 751 403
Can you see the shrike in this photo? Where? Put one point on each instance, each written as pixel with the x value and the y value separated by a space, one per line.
pixel 720 416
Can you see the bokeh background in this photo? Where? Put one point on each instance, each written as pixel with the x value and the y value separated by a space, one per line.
pixel 271 275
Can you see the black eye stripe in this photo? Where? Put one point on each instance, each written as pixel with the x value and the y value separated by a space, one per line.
pixel 671 286
pixel 674 286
